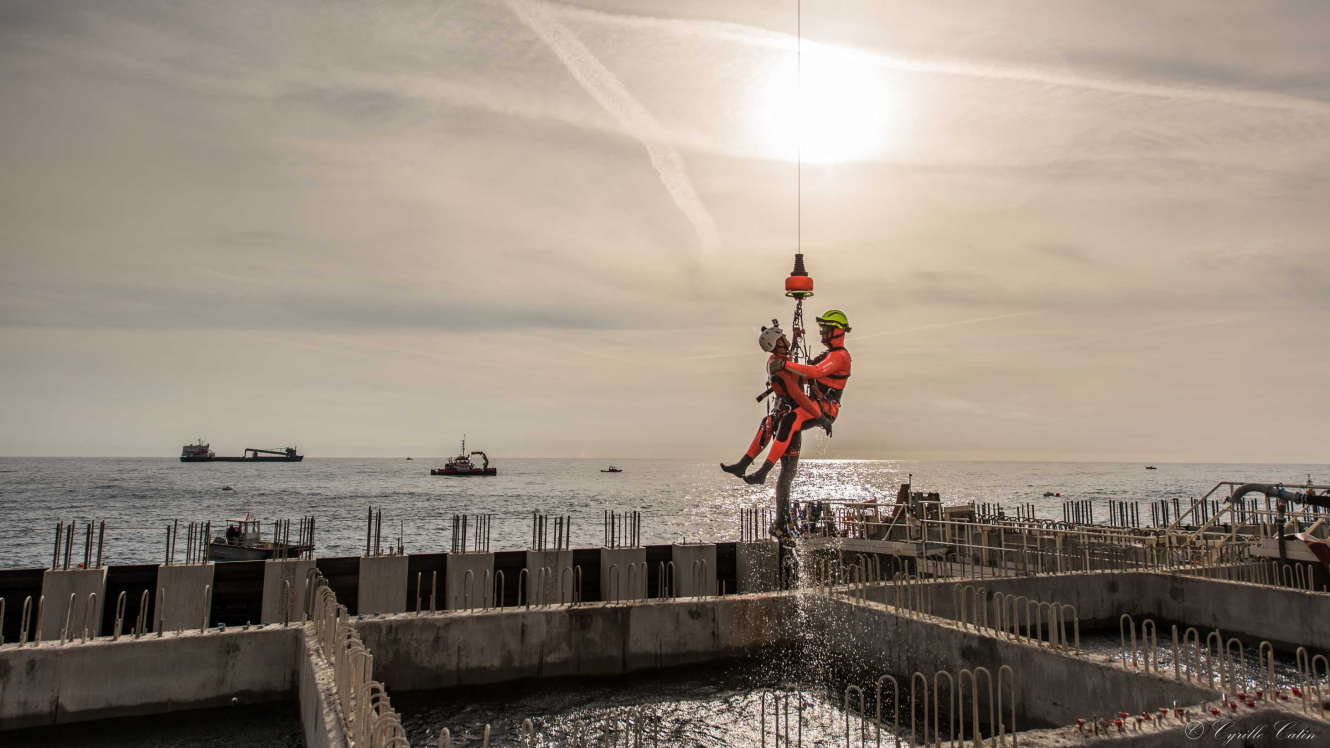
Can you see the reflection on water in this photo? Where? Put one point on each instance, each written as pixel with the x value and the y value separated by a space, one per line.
pixel 678 498
pixel 275 725
pixel 704 706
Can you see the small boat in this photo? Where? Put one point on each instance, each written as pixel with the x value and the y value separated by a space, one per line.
pixel 244 541
pixel 408 458
pixel 1151 467
pixel 462 465
pixel 611 469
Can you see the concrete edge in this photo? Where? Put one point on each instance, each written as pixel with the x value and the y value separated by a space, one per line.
pixel 321 718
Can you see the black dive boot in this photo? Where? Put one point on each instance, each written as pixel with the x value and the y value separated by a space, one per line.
pixel 739 467
pixel 760 476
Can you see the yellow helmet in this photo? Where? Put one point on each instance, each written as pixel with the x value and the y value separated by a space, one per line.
pixel 834 318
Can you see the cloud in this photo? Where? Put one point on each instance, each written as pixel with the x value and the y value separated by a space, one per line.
pixel 369 223
pixel 1065 252
pixel 756 36
pixel 615 98
pixel 941 325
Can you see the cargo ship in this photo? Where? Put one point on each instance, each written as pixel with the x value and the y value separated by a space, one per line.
pixel 203 453
pixel 462 465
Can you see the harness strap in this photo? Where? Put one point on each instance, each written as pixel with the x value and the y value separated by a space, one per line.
pixel 822 356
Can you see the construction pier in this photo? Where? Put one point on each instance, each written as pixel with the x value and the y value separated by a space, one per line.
pixel 994 613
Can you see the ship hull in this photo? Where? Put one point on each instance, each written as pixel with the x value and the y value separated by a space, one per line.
pixel 227 552
pixel 297 458
pixel 464 473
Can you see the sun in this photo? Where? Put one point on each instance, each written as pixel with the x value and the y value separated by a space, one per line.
pixel 839 113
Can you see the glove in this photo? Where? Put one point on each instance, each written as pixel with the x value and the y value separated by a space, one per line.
pixel 825 423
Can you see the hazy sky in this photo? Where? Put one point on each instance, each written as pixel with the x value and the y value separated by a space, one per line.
pixel 1061 230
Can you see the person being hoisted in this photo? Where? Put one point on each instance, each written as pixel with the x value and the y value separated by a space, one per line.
pixel 795 411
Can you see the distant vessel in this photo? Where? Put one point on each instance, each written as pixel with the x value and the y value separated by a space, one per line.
pixel 1151 467
pixel 612 469
pixel 203 453
pixel 462 464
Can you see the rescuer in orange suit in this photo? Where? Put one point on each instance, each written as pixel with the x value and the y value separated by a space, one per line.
pixel 796 411
pixel 831 369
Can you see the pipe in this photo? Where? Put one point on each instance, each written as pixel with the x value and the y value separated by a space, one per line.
pixel 1284 495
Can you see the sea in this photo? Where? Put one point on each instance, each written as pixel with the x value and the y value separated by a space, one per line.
pixel 677 500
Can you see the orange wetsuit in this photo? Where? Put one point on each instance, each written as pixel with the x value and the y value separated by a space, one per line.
pixel 830 370
pixel 784 423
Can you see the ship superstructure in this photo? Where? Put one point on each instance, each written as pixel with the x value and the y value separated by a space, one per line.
pixel 462 464
pixel 202 452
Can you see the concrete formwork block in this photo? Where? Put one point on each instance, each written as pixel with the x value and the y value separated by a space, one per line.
pixel 695 569
pixel 630 581
pixel 558 583
pixel 183 594
pixel 57 586
pixel 757 566
pixel 276 598
pixel 382 585
pixel 463 591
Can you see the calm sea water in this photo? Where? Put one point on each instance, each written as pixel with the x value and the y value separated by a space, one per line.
pixel 677 498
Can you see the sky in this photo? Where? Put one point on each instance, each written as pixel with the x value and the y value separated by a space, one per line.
pixel 1061 231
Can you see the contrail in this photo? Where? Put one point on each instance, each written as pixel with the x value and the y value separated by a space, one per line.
pixel 611 94
pixel 943 324
pixel 574 349
pixel 1147 331
pixel 760 37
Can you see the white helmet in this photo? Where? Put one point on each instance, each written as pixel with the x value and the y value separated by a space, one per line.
pixel 770 336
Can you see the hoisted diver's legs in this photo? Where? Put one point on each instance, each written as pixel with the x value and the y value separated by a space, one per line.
pixel 793 422
pixel 765 428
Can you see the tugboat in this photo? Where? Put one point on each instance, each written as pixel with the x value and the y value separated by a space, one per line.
pixel 462 464
pixel 203 453
pixel 611 469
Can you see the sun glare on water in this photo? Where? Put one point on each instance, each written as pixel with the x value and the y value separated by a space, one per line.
pixel 839 113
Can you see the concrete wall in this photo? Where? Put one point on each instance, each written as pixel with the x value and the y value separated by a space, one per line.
pixel 413 652
pixel 558 585
pixel 1286 618
pixel 185 604
pixel 758 566
pixel 53 684
pixel 684 556
pixel 459 594
pixel 1099 598
pixel 320 712
pixel 382 586
pixel 1053 689
pixel 274 574
pixel 57 586
pixel 629 580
